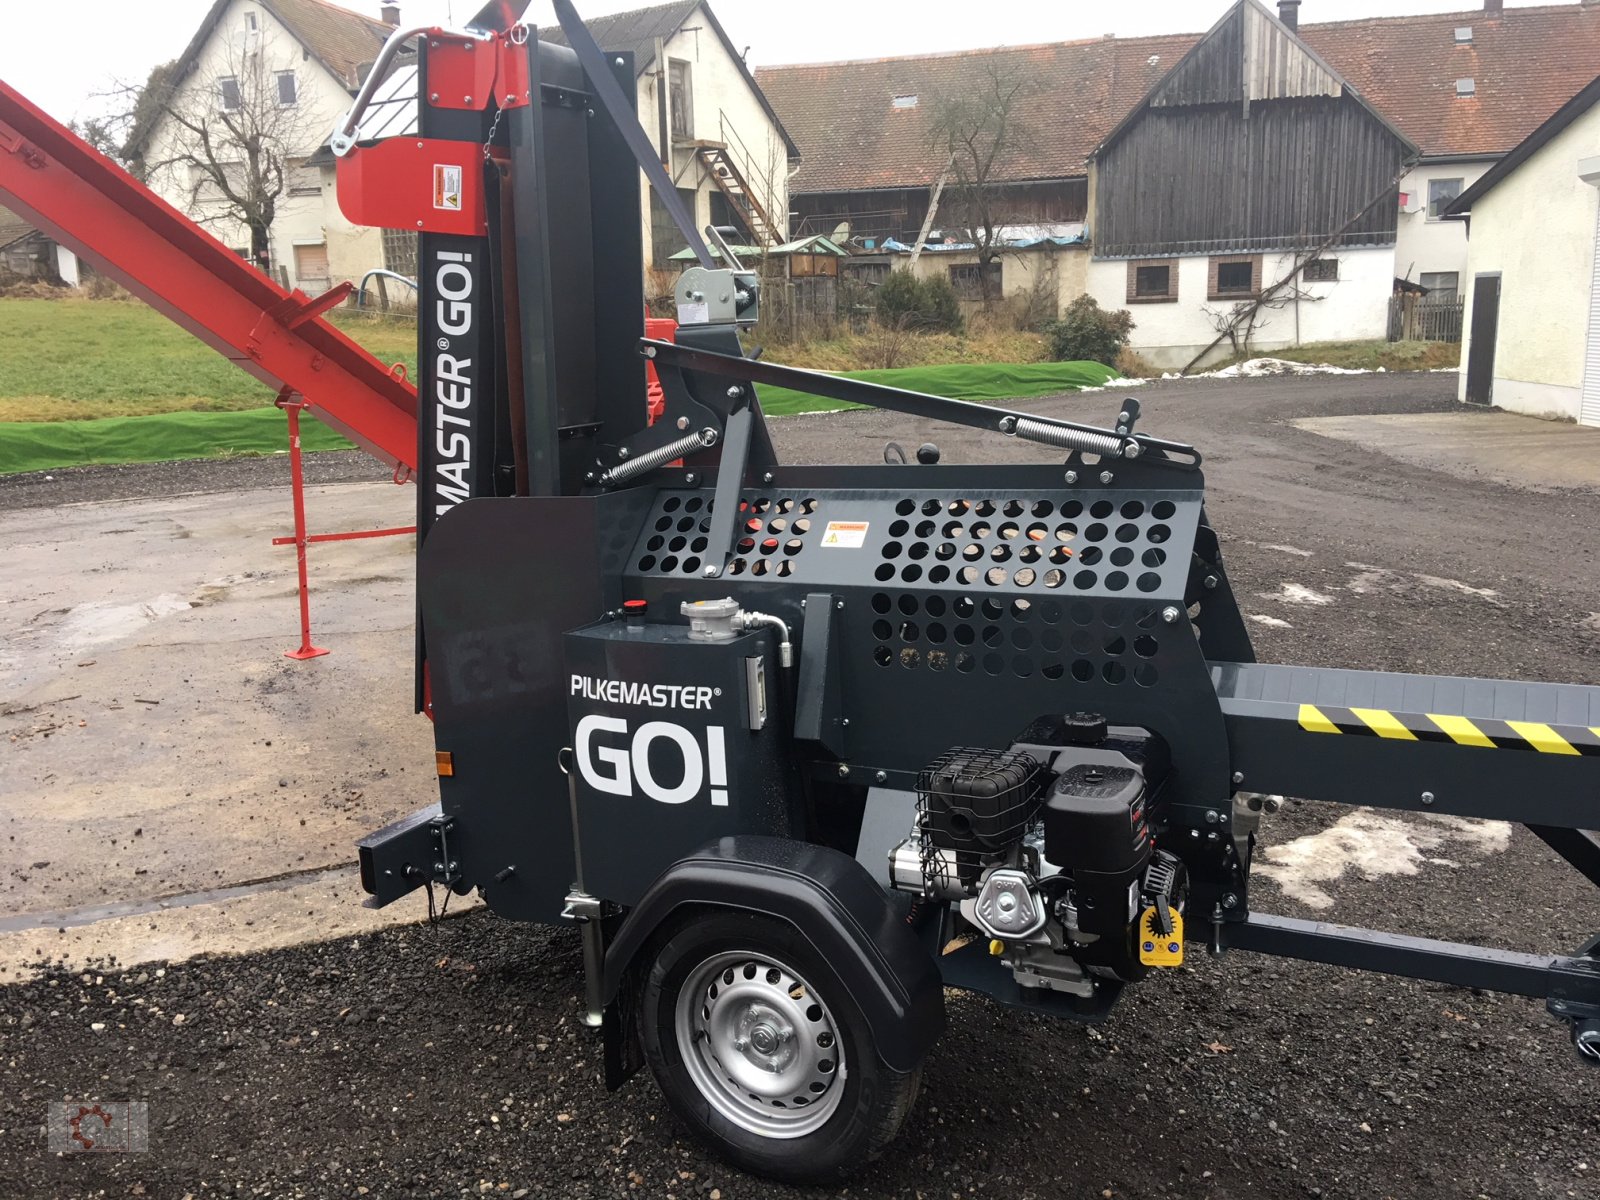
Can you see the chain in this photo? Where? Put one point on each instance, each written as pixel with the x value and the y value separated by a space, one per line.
pixel 493 126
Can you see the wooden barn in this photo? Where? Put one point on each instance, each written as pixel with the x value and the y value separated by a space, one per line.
pixel 1252 195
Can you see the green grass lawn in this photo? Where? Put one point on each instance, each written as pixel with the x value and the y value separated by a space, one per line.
pixel 67 360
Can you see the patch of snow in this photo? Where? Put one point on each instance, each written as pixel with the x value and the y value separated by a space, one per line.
pixel 1374 845
pixel 1116 384
pixel 1298 593
pixel 1261 368
pixel 1455 585
pixel 1286 549
pixel 1270 622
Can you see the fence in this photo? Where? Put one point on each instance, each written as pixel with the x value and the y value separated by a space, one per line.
pixel 798 309
pixel 1414 318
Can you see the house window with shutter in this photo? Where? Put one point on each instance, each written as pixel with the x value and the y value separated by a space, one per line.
pixel 1152 281
pixel 1235 277
pixel 680 96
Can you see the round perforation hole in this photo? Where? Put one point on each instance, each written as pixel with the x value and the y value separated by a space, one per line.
pixel 882 655
pixel 1132 510
pixel 1149 581
pixel 911 573
pixel 965 662
pixel 906 507
pixel 1163 510
pixel 1101 509
pixel 671 504
pixel 984 508
pixel 910 657
pixel 993 636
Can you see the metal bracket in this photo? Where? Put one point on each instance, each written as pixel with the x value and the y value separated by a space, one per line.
pixel 446 869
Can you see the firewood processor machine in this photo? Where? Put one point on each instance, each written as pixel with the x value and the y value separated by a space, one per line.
pixel 799 747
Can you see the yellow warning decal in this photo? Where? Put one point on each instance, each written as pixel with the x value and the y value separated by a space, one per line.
pixel 1489 733
pixel 1157 949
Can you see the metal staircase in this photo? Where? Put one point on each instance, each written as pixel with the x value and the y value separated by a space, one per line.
pixel 742 198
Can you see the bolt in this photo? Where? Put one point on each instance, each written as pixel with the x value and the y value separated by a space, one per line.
pixel 1230 901
pixel 683 422
pixel 1106 477
pixel 1072 477
pixel 1427 797
pixel 711 572
pixel 650 352
pixel 1211 581
pixel 735 392
pixel 1122 417
pixel 691 478
pixel 1132 450
pixel 1238 776
pixel 467 99
pixel 1006 903
pixel 589 478
pixel 1212 816
pixel 839 605
pixel 1170 614
pixel 881 777
pixel 1212 836
pixel 616 62
pixel 419 224
pixel 438 868
pixel 1194 833
pixel 844 722
pixel 739 1043
pixel 766 477
pixel 622 452
pixel 844 770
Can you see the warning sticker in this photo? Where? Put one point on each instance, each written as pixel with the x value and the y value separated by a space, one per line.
pixel 447 187
pixel 845 535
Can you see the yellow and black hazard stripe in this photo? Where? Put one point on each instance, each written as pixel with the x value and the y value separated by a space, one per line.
pixel 1441 727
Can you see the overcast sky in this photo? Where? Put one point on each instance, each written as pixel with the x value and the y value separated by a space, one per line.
pixel 61 66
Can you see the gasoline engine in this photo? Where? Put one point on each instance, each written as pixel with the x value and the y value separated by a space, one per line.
pixel 1051 850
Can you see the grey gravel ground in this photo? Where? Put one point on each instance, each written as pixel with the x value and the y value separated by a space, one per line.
pixel 447 1061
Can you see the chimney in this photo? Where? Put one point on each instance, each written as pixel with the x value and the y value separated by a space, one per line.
pixel 1494 7
pixel 390 15
pixel 1289 14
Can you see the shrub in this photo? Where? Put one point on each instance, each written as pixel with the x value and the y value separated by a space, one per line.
pixel 1088 333
pixel 905 301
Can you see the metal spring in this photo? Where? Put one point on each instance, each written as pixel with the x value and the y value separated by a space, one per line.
pixel 1107 445
pixel 688 444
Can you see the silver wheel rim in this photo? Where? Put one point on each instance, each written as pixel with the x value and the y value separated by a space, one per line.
pixel 760 1045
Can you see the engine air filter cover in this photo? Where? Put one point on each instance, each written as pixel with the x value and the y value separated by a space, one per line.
pixel 978 801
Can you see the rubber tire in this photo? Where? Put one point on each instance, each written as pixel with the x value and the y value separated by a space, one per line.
pixel 876 1100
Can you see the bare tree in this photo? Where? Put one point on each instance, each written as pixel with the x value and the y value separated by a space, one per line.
pixel 228 136
pixel 983 131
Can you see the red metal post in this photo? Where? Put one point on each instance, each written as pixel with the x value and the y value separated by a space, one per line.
pixel 298 482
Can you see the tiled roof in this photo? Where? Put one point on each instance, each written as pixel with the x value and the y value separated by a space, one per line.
pixel 344 41
pixel 1525 63
pixel 12 228
pixel 634 31
pixel 853 136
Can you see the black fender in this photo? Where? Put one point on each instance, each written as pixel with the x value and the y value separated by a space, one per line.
pixel 834 904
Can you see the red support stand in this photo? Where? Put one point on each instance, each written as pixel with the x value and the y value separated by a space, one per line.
pixel 297 477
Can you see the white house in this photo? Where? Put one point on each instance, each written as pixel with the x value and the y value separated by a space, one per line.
pixel 1533 310
pixel 297 63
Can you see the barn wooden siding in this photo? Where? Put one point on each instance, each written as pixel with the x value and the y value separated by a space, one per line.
pixel 1250 143
pixel 1204 180
pixel 899 212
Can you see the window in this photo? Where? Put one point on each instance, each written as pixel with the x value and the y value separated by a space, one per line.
pixel 666 239
pixel 1463 35
pixel 400 251
pixel 1234 278
pixel 1321 270
pixel 305 179
pixel 1466 87
pixel 1440 193
pixel 286 89
pixel 1441 285
pixel 250 21
pixel 232 98
pixel 967 279
pixel 311 268
pixel 680 99
pixel 1152 282
pixel 905 101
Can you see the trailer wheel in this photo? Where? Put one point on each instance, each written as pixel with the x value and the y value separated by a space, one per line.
pixel 777 1075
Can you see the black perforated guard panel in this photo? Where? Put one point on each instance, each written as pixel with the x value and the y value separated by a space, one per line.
pixel 1048 598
